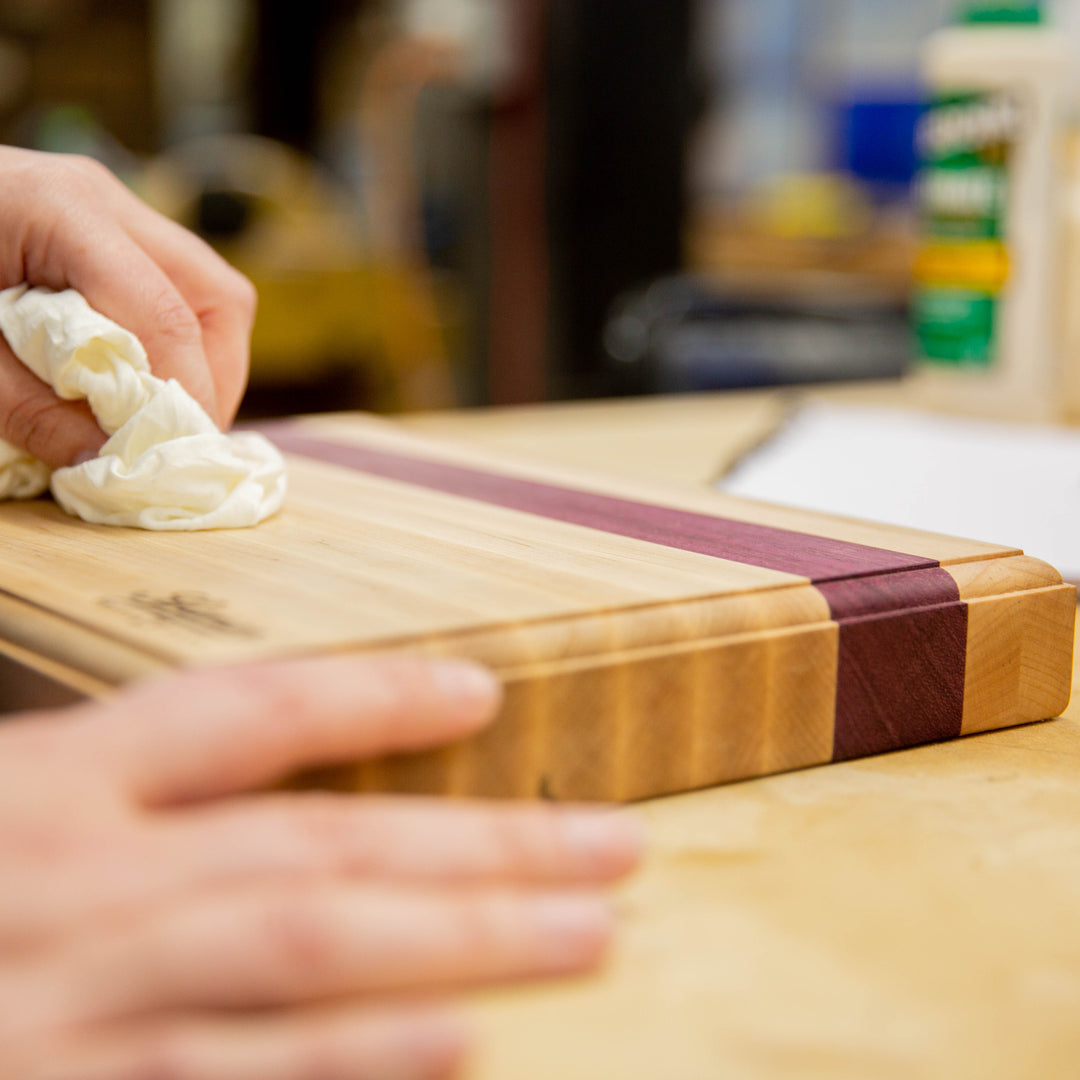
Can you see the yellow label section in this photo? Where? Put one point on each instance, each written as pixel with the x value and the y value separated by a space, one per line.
pixel 980 265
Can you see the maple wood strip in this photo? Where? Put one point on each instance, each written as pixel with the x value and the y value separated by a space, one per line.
pixel 90 662
pixel 355 561
pixel 633 724
pixel 819 558
pixel 1021 621
pixel 577 636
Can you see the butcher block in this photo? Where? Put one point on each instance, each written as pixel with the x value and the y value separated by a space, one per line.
pixel 650 639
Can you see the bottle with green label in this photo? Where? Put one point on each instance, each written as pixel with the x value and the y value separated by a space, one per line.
pixel 986 276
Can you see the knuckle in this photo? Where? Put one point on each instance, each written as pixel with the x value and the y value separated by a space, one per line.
pixel 46 844
pixel 266 707
pixel 298 941
pixel 326 1058
pixel 546 836
pixel 50 224
pixel 174 320
pixel 275 696
pixel 509 843
pixel 36 424
pixel 54 175
pixel 479 928
pixel 163 1055
pixel 88 167
pixel 528 840
pixel 68 176
pixel 329 836
pixel 42 176
pixel 242 293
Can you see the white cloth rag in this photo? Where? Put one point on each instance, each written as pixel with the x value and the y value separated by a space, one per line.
pixel 165 466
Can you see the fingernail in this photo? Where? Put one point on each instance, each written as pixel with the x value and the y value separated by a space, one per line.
pixel 84 457
pixel 463 679
pixel 611 842
pixel 574 931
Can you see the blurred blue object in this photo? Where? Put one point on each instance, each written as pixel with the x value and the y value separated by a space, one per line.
pixel 875 136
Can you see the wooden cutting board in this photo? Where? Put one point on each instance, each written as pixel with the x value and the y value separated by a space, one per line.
pixel 651 641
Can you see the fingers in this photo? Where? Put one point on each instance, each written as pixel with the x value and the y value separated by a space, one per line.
pixel 222 300
pixel 406 1043
pixel 293 837
pixel 33 418
pixel 87 250
pixel 117 873
pixel 202 735
pixel 74 224
pixel 268 947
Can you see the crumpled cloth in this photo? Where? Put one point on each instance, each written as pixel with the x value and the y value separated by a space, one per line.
pixel 166 466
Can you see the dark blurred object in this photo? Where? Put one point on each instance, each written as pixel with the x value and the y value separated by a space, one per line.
pixel 224 215
pixel 622 98
pixel 291 39
pixel 95 54
pixel 74 129
pixel 515 291
pixel 23 688
pixel 683 334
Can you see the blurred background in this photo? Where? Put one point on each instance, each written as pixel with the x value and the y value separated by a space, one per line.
pixel 458 202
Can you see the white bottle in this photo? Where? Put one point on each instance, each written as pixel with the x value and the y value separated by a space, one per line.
pixel 987 276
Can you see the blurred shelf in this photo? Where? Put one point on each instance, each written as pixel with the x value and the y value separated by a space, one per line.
pixel 742 255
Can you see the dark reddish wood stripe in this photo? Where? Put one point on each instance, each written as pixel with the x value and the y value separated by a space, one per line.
pixel 816 557
pixel 903 657
pixel 903 627
pixel 851 598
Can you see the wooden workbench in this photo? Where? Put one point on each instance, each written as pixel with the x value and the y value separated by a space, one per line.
pixel 913 915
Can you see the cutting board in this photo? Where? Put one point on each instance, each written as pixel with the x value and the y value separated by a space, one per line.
pixel 650 640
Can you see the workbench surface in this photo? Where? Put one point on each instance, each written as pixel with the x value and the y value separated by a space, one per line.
pixel 911 915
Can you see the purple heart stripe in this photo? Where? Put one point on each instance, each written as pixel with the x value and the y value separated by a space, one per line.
pixel 903 626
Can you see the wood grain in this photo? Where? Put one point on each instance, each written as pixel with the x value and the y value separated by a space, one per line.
pixel 614 479
pixel 737 539
pixel 906 915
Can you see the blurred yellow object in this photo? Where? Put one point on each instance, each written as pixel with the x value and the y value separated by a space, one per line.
pixel 324 303
pixel 822 206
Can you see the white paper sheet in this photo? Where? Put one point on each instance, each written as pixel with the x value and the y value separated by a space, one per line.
pixel 1011 484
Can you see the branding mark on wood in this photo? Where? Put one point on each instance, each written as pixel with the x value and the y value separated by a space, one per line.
pixel 194 612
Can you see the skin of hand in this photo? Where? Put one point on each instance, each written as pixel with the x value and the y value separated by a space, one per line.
pixel 164 914
pixel 67 222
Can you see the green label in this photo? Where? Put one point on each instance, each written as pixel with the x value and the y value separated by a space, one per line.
pixel 955 327
pixel 967 143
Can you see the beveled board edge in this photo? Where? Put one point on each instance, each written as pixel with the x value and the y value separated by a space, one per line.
pixel 653 722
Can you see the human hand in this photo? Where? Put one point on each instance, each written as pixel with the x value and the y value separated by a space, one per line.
pixel 153 923
pixel 67 222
